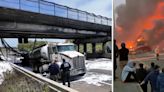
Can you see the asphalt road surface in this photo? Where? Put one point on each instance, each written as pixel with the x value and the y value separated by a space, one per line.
pixel 98 77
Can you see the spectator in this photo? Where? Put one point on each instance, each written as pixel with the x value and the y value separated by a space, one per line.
pixel 157 53
pixel 152 68
pixel 140 75
pixel 160 82
pixel 54 71
pixel 152 77
pixel 115 58
pixel 128 71
pixel 65 68
pixel 123 55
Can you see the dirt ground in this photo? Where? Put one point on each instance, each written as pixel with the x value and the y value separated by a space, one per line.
pixel 146 59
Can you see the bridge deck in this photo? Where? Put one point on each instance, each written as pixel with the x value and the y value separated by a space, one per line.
pixel 45 13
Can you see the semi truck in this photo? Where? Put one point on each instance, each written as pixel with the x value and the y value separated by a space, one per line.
pixel 42 56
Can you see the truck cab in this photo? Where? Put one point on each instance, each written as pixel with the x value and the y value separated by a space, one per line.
pixel 59 51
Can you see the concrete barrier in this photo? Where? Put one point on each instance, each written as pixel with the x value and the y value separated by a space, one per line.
pixel 52 85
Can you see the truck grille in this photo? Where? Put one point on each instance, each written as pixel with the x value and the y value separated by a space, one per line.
pixel 78 62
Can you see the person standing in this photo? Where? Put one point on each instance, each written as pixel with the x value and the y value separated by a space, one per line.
pixel 123 55
pixel 152 68
pixel 140 75
pixel 157 53
pixel 115 58
pixel 152 77
pixel 54 71
pixel 160 82
pixel 65 72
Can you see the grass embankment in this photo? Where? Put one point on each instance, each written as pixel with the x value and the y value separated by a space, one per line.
pixel 16 82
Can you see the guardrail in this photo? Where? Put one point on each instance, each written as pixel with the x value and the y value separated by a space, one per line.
pixel 52 85
pixel 49 8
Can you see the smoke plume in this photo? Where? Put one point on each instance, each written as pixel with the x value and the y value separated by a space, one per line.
pixel 140 18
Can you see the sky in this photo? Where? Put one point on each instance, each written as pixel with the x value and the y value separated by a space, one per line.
pixel 98 7
pixel 118 2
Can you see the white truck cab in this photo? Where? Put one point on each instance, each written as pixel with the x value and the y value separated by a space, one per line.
pixel 59 51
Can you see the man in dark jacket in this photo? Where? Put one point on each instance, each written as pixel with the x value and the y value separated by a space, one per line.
pixel 123 55
pixel 115 58
pixel 65 69
pixel 140 75
pixel 152 68
pixel 152 77
pixel 54 71
pixel 160 82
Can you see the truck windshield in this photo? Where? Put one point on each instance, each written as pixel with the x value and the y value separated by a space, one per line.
pixel 66 48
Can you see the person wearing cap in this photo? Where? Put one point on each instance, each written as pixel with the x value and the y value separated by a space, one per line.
pixel 65 72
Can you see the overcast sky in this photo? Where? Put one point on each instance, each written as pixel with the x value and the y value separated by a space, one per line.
pixel 99 7
pixel 118 2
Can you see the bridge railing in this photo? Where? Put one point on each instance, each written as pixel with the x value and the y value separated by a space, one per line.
pixel 49 8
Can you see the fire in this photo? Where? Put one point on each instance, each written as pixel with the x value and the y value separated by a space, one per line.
pixel 145 21
pixel 130 44
pixel 141 38
pixel 131 47
pixel 138 40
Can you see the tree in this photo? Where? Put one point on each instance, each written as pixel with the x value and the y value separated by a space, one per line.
pixel 29 46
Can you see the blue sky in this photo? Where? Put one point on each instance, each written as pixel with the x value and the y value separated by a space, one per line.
pixel 98 7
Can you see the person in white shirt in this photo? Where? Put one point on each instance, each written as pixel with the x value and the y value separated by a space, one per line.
pixel 128 71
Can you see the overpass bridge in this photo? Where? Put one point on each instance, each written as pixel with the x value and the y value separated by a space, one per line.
pixel 43 19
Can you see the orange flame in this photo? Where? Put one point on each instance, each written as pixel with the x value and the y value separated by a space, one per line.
pixel 142 24
pixel 130 44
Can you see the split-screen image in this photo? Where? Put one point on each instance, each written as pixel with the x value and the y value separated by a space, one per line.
pixel 81 46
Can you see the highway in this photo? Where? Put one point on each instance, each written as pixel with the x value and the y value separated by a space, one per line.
pixel 98 77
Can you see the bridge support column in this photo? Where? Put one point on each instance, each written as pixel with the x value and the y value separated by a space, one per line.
pixel 103 46
pixel 25 40
pixel 20 40
pixel 85 47
pixel 78 47
pixel 93 47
